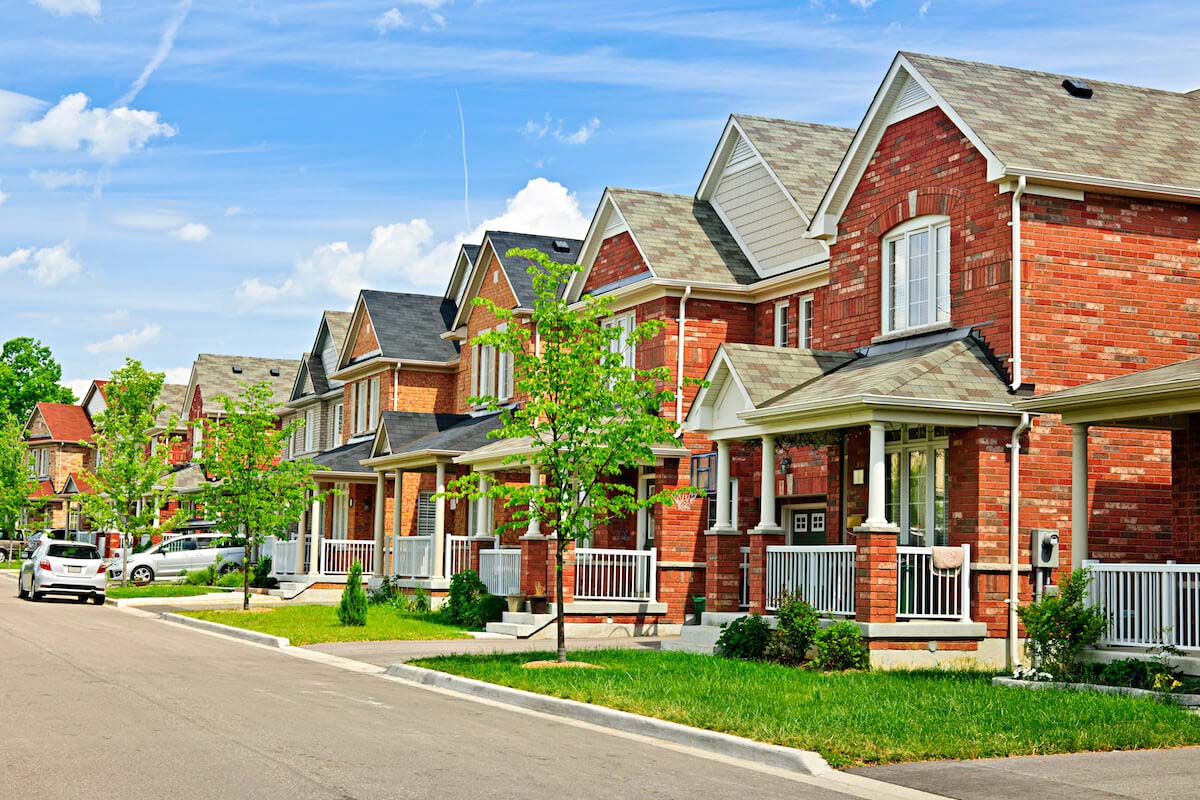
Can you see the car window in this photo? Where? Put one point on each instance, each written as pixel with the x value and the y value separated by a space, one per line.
pixel 84 551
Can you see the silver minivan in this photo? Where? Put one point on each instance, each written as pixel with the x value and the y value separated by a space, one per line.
pixel 172 557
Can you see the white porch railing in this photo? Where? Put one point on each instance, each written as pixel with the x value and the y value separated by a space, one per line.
pixel 744 579
pixel 282 553
pixel 337 555
pixel 458 555
pixel 925 593
pixel 615 574
pixel 822 575
pixel 500 571
pixel 1148 605
pixel 414 556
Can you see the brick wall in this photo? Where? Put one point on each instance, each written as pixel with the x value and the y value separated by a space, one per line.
pixel 494 286
pixel 618 258
pixel 365 341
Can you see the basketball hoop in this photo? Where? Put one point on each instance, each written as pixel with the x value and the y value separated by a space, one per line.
pixel 684 502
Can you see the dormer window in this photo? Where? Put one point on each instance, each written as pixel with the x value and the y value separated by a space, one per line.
pixel 916 274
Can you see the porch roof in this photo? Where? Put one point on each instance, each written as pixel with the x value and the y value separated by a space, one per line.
pixel 494 453
pixel 345 460
pixel 411 439
pixel 1146 398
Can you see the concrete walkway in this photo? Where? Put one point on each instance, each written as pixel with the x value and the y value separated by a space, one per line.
pixel 385 654
pixel 1137 774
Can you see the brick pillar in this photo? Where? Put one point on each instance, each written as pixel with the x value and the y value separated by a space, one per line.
pixel 568 573
pixel 875 575
pixel 535 564
pixel 479 543
pixel 722 575
pixel 760 540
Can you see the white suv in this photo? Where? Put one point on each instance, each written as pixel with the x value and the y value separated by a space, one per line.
pixel 73 568
pixel 172 557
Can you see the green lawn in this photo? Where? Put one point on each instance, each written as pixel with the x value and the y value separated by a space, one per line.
pixel 115 590
pixel 850 718
pixel 311 624
pixel 15 564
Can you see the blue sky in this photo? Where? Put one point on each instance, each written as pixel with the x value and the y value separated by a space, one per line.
pixel 205 176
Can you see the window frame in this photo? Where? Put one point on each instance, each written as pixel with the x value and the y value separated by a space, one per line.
pixel 935 438
pixel 625 322
pixel 804 322
pixel 310 430
pixel 782 323
pixel 896 286
pixel 336 428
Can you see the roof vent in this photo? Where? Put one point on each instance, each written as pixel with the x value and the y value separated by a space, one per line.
pixel 237 370
pixel 1077 88
pixel 274 372
pixel 561 246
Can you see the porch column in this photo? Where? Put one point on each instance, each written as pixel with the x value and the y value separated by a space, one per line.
pixel 722 485
pixel 1079 495
pixel 483 534
pixel 875 573
pixel 314 540
pixel 535 479
pixel 439 521
pixel 380 516
pixel 397 515
pixel 301 542
pixel 876 481
pixel 766 516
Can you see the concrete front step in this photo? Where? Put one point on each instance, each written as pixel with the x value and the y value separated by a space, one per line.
pixel 695 639
pixel 523 625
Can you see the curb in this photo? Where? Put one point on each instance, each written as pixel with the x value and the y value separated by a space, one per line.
pixel 229 630
pixel 772 755
pixel 1185 700
pixel 187 602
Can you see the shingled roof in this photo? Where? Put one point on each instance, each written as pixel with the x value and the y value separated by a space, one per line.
pixel 803 155
pixel 410 326
pixel 1182 376
pixel 345 458
pixel 516 269
pixel 1122 133
pixel 171 398
pixel 682 238
pixel 218 375
pixel 766 372
pixel 65 423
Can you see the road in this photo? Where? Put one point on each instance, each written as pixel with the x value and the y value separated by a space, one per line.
pixel 104 703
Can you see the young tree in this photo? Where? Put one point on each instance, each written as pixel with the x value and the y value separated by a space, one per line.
pixel 29 375
pixel 589 413
pixel 16 484
pixel 254 494
pixel 131 480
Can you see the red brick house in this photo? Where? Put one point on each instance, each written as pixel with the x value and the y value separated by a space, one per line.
pixel 56 435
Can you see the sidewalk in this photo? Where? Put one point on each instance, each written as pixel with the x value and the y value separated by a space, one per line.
pixel 1137 774
pixel 385 654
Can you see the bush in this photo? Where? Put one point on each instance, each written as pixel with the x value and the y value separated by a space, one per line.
pixel 418 602
pixel 260 575
pixel 745 638
pixel 840 647
pixel 797 628
pixel 206 576
pixel 231 580
pixel 469 604
pixel 353 608
pixel 1059 627
pixel 387 592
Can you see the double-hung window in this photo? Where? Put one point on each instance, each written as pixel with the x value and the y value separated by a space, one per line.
pixel 917 478
pixel 916 274
pixel 805 323
pixel 360 407
pixel 426 514
pixel 487 365
pixel 336 427
pixel 366 405
pixel 310 430
pixel 623 342
pixel 198 441
pixel 783 313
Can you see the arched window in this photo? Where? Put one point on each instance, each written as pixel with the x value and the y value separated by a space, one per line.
pixel 916 274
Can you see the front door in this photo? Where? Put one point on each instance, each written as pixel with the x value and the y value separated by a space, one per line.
pixel 805 526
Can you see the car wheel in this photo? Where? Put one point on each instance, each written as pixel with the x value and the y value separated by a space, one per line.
pixel 21 593
pixel 98 599
pixel 34 594
pixel 226 568
pixel 141 575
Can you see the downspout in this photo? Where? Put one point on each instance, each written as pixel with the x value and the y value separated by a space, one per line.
pixel 1018 193
pixel 1014 480
pixel 680 326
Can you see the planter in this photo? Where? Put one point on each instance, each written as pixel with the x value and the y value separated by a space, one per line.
pixel 516 602
pixel 1185 700
pixel 538 604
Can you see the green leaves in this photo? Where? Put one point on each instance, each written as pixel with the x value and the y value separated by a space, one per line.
pixel 29 375
pixel 16 485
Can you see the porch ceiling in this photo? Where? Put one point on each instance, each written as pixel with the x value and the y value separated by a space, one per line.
pixel 1150 398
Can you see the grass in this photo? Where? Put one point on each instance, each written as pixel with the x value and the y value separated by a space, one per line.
pixel 309 624
pixel 853 718
pixel 119 592
pixel 14 564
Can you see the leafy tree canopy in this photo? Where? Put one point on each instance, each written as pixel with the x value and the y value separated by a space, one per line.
pixel 29 375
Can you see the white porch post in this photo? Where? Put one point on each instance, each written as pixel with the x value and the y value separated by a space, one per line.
pixel 439 522
pixel 301 543
pixel 535 479
pixel 1079 495
pixel 314 539
pixel 766 516
pixel 380 516
pixel 723 522
pixel 481 509
pixel 876 481
pixel 397 516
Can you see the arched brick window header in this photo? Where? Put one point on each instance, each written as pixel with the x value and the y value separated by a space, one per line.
pixel 934 201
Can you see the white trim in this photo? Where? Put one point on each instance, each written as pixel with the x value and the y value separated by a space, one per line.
pixel 781 337
pixel 903 233
pixel 592 243
pixel 805 307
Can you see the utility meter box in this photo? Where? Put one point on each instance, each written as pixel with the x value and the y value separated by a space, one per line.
pixel 1043 550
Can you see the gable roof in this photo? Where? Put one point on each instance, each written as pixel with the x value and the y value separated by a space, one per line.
pixel 468 256
pixel 766 372
pixel 516 269
pixel 461 437
pixel 399 428
pixel 407 326
pixel 66 423
pixel 171 397
pixel 312 377
pixel 215 376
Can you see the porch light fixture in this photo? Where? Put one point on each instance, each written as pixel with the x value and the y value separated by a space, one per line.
pixel 785 464
pixel 858 477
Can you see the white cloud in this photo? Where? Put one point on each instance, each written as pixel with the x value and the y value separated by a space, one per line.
pixel 406 255
pixel 66 7
pixel 15 259
pixel 108 133
pixel 17 108
pixel 78 385
pixel 585 132
pixel 233 211
pixel 924 9
pixel 436 22
pixel 165 43
pixel 53 265
pixel 3 197
pixel 431 5
pixel 863 4
pixel 125 343
pixel 177 375
pixel 553 129
pixel 390 20
pixel 53 179
pixel 191 232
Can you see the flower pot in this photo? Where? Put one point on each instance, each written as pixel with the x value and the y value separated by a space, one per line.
pixel 516 602
pixel 539 605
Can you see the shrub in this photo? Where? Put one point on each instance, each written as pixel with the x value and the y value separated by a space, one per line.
pixel 418 603
pixel 353 608
pixel 260 575
pixel 468 602
pixel 205 576
pixel 1059 627
pixel 797 628
pixel 387 592
pixel 840 647
pixel 231 579
pixel 745 638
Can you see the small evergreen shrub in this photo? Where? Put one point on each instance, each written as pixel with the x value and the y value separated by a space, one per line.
pixel 840 647
pixel 260 575
pixel 745 638
pixel 1059 627
pixel 353 608
pixel 467 603
pixel 796 629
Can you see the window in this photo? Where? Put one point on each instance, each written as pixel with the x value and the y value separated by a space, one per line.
pixel 916 278
pixel 504 374
pixel 487 361
pixel 804 329
pixel 341 511
pixel 74 518
pixel 366 405
pixel 198 441
pixel 622 342
pixel 40 462
pixel 310 430
pixel 336 427
pixel 373 411
pixel 917 478
pixel 426 510
pixel 82 552
pixel 782 312
pixel 704 476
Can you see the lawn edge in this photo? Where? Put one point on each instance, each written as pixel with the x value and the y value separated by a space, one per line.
pixel 228 630
pixel 772 755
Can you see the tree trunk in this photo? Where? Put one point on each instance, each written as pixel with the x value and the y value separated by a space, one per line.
pixel 561 610
pixel 124 559
pixel 245 569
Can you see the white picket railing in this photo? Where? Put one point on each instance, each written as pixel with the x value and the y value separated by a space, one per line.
pixel 822 575
pixel 414 556
pixel 500 571
pixel 744 579
pixel 1148 605
pixel 282 553
pixel 925 593
pixel 458 555
pixel 337 555
pixel 602 574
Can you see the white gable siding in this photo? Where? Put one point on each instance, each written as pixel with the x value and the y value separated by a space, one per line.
pixel 95 405
pixel 329 358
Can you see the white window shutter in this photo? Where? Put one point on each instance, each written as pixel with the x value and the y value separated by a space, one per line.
pixel 474 371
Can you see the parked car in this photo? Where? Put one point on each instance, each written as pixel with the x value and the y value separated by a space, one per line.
pixel 33 540
pixel 13 548
pixel 172 557
pixel 72 568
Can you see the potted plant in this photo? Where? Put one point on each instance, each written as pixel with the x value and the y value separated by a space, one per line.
pixel 537 601
pixel 516 602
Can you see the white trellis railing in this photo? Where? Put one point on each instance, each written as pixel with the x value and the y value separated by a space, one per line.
pixel 282 553
pixel 458 555
pixel 1147 605
pixel 822 575
pixel 414 556
pixel 615 574
pixel 744 579
pixel 337 555
pixel 923 592
pixel 500 571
